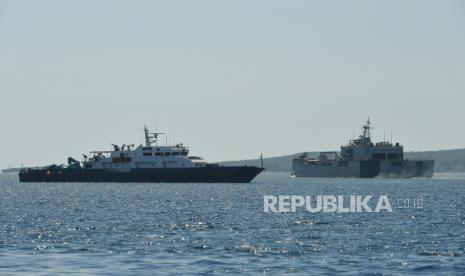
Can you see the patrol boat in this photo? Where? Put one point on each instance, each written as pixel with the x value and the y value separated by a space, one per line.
pixel 363 159
pixel 149 163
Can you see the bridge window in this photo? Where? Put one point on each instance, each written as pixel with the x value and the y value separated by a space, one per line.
pixel 378 156
pixel 393 156
pixel 147 154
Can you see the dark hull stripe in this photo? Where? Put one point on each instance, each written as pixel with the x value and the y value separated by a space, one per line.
pixel 204 174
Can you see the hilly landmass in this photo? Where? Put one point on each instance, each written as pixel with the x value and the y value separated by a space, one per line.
pixel 445 160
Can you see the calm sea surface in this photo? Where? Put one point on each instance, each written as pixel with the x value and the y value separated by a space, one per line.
pixel 96 228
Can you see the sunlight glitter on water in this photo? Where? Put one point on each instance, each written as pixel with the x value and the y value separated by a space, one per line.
pixel 139 228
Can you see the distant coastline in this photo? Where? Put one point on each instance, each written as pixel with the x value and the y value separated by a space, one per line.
pixel 445 160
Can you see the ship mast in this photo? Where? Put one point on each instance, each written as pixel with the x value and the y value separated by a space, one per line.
pixel 151 137
pixel 366 129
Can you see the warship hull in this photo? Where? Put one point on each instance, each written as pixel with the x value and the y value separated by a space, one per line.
pixel 367 169
pixel 209 174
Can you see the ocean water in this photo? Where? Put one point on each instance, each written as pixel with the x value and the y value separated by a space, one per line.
pixel 113 228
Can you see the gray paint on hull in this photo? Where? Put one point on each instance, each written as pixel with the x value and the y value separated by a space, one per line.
pixel 366 169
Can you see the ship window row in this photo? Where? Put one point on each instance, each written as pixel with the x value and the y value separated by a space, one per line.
pixel 152 164
pixel 164 153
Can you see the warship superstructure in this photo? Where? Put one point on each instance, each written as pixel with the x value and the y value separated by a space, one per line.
pixel 360 158
pixel 146 163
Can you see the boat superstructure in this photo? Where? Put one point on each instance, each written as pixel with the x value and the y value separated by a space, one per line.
pixel 150 155
pixel 362 158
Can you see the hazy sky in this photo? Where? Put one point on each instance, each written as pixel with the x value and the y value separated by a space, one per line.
pixel 230 79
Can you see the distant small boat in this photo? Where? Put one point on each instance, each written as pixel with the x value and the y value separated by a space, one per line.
pixel 13 170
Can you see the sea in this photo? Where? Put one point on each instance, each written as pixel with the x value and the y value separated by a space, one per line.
pixel 213 228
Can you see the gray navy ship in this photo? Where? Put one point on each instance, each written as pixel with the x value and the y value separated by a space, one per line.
pixel 363 159
pixel 146 163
